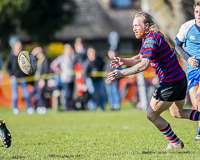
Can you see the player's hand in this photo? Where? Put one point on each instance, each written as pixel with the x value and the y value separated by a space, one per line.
pixel 193 62
pixel 114 74
pixel 116 63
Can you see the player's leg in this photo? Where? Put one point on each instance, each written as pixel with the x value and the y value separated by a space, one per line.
pixel 154 110
pixel 178 111
pixel 162 99
pixel 193 87
pixel 5 134
pixel 194 100
pixel 193 96
pixel 198 96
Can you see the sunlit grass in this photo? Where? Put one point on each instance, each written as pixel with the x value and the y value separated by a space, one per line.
pixel 124 134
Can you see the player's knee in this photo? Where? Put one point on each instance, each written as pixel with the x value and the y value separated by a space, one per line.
pixel 150 116
pixel 176 114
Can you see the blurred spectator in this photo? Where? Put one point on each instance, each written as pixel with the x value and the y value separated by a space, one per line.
pixel 82 101
pixel 152 85
pixel 80 57
pixel 94 64
pixel 80 51
pixel 57 99
pixel 64 64
pixel 42 86
pixel 1 64
pixel 15 72
pixel 111 87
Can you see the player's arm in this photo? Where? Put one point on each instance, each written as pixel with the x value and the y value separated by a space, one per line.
pixel 139 67
pixel 118 61
pixel 191 60
pixel 133 60
pixel 181 51
pixel 180 40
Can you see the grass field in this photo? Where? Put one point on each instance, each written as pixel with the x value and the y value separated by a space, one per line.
pixel 98 135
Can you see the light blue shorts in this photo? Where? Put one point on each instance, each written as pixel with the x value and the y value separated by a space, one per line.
pixel 193 78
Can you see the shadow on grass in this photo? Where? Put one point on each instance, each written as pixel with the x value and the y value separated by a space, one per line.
pixel 64 156
pixel 153 152
pixel 164 152
pixel 17 157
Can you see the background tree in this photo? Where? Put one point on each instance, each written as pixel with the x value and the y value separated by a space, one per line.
pixel 8 21
pixel 169 14
pixel 43 18
pixel 39 19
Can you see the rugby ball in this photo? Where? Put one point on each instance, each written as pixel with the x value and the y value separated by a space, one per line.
pixel 27 62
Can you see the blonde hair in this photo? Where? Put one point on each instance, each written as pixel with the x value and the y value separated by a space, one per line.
pixel 148 19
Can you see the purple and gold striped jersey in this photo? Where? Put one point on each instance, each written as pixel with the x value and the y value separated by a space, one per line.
pixel 156 48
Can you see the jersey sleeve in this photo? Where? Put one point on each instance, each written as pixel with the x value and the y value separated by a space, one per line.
pixel 149 48
pixel 181 36
pixel 142 48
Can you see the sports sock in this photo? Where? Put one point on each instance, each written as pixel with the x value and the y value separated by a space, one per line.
pixel 195 115
pixel 170 134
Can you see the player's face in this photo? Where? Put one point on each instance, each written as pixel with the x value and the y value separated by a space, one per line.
pixel 197 15
pixel 138 27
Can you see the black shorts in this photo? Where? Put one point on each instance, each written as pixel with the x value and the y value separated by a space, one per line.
pixel 176 91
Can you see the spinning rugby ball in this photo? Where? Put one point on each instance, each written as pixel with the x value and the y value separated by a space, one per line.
pixel 27 62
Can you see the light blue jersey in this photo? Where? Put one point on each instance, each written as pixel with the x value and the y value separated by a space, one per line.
pixel 189 34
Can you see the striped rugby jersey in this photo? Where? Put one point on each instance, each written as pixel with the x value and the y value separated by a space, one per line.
pixel 156 48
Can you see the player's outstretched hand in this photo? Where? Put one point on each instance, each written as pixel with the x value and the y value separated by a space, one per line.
pixel 114 74
pixel 116 63
pixel 193 61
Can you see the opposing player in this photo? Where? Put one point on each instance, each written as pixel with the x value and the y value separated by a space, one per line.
pixel 156 50
pixel 5 134
pixel 189 34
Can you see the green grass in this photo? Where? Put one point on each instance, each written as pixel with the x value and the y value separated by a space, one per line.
pixel 98 135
